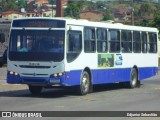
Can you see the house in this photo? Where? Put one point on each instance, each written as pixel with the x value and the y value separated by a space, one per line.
pixel 12 14
pixel 48 12
pixel 92 15
pixel 40 2
pixel 148 17
pixel 122 15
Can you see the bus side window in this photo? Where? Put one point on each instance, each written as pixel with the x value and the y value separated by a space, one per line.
pixel 114 40
pixel 144 42
pixel 101 40
pixel 74 45
pixel 152 43
pixel 126 41
pixel 89 40
pixel 136 42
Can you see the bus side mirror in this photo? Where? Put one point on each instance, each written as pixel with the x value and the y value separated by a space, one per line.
pixel 2 38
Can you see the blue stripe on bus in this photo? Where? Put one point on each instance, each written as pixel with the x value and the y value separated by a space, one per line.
pixel 98 77
pixel 147 72
pixel 110 75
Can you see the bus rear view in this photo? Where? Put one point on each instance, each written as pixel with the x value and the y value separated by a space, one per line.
pixel 36 53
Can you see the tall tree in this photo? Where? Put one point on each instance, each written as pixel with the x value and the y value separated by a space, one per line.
pixel 146 8
pixel 156 21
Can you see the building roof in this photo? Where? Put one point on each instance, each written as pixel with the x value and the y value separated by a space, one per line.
pixel 92 11
pixel 11 12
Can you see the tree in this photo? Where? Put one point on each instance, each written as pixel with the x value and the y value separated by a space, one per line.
pixel 52 2
pixel 72 10
pixel 107 16
pixel 144 23
pixel 146 8
pixel 21 3
pixel 156 21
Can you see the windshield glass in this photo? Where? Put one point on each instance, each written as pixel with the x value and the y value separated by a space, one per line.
pixel 36 45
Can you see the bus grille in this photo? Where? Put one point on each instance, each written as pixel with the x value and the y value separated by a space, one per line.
pixel 28 66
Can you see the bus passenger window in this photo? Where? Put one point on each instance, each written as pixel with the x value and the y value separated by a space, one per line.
pixel 114 41
pixel 144 42
pixel 101 40
pixel 152 43
pixel 126 41
pixel 74 45
pixel 136 42
pixel 89 40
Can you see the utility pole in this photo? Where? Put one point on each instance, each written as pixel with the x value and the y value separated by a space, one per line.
pixel 132 12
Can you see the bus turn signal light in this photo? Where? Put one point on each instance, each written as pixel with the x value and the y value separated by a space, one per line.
pixel 59 74
pixel 13 73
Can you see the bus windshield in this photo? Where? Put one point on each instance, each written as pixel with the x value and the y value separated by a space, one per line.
pixel 36 45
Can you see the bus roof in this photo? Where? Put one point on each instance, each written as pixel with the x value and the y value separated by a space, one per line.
pixel 83 22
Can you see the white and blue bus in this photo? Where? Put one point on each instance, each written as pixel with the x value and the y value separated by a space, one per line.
pixel 66 52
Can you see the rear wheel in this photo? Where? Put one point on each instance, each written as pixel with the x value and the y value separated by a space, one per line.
pixel 133 79
pixel 85 83
pixel 35 90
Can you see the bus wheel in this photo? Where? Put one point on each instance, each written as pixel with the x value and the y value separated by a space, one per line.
pixel 133 79
pixel 35 90
pixel 85 83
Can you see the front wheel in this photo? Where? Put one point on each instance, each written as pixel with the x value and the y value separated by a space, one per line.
pixel 85 83
pixel 35 90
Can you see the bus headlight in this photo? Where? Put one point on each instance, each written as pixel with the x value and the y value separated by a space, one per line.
pixel 59 74
pixel 55 75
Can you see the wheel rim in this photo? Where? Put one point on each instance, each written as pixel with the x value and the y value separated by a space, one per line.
pixel 134 79
pixel 85 83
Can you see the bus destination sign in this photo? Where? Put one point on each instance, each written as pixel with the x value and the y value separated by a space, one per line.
pixel 44 23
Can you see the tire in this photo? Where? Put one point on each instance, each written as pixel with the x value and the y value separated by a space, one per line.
pixel 85 84
pixel 133 79
pixel 35 90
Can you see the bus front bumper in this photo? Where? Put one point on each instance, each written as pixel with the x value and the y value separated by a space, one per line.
pixel 14 78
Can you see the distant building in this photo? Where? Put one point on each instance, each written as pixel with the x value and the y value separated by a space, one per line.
pixel 122 15
pixel 92 15
pixel 12 14
pixel 40 2
pixel 148 17
pixel 48 13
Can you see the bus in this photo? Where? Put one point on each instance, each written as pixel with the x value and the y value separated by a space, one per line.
pixel 48 52
pixel 4 36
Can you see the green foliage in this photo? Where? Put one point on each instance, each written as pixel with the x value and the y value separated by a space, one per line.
pixel 156 21
pixel 151 23
pixel 12 4
pixel 52 2
pixel 146 8
pixel 73 10
pixel 107 16
pixel 144 23
pixel 21 3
